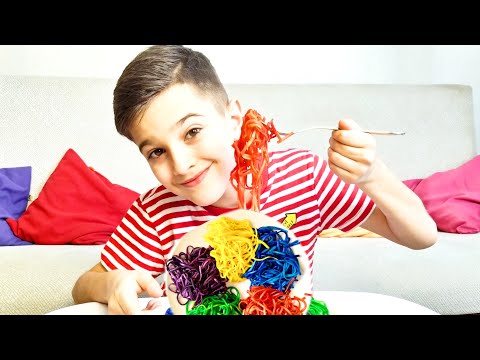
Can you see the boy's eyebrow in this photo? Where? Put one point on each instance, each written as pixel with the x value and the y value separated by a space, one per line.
pixel 178 124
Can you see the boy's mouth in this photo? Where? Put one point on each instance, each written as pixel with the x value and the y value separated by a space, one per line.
pixel 197 179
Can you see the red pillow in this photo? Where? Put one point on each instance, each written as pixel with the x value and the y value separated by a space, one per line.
pixel 77 205
pixel 452 198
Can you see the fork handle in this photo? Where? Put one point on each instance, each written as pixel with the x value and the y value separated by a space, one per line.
pixel 377 132
pixel 373 132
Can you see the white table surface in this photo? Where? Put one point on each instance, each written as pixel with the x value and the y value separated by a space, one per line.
pixel 338 303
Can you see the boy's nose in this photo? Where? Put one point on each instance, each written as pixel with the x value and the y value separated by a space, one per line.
pixel 182 160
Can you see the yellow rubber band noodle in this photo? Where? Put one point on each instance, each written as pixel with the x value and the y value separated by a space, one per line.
pixel 234 245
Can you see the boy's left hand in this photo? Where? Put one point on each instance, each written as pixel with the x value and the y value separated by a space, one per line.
pixel 352 153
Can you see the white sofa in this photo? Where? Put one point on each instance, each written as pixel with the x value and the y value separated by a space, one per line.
pixel 40 118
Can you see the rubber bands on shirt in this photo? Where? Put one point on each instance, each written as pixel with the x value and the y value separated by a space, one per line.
pixel 251 157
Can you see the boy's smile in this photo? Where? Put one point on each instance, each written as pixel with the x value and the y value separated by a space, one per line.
pixel 197 179
pixel 187 141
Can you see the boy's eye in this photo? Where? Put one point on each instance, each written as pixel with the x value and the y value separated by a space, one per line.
pixel 156 153
pixel 192 132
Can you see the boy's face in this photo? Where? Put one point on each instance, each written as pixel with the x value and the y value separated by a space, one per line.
pixel 188 145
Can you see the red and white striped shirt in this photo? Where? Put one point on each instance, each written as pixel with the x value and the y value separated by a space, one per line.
pixel 297 182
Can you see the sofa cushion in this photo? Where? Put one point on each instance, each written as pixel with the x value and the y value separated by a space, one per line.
pixel 452 198
pixel 442 277
pixel 77 205
pixel 14 191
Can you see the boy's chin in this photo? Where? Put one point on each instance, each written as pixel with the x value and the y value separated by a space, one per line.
pixel 216 202
pixel 203 201
pixel 217 196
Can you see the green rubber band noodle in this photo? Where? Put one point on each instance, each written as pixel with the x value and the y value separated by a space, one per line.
pixel 317 307
pixel 222 304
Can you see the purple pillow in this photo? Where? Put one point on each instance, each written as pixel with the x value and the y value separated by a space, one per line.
pixel 14 190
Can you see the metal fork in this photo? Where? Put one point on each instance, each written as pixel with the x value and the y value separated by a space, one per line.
pixel 374 132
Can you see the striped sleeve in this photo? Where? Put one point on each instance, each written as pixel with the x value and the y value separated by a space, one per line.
pixel 343 206
pixel 135 243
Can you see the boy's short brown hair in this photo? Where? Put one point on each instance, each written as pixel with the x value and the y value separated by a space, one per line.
pixel 156 69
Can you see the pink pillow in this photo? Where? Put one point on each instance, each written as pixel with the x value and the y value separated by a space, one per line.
pixel 77 205
pixel 452 198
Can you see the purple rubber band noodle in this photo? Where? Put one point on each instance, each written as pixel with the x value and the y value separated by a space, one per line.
pixel 195 275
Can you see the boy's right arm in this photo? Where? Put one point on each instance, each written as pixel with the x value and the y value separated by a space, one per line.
pixel 118 289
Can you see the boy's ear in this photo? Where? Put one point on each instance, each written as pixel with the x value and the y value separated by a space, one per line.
pixel 236 116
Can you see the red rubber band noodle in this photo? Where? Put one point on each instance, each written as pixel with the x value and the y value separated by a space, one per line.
pixel 251 156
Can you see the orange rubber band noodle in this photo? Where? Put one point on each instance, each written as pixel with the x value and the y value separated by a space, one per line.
pixel 270 301
pixel 251 156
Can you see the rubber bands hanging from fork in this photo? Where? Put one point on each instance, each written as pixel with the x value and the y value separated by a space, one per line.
pixel 251 156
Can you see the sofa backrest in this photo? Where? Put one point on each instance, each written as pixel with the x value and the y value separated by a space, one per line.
pixel 41 117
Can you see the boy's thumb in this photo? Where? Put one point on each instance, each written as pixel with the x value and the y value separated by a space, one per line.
pixel 348 124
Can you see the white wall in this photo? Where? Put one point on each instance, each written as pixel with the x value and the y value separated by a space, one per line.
pixel 461 64
pixel 302 63
pixel 99 61
pixel 414 64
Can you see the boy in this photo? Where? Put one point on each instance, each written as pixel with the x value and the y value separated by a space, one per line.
pixel 170 102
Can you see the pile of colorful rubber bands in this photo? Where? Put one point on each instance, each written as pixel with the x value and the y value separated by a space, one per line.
pixel 238 252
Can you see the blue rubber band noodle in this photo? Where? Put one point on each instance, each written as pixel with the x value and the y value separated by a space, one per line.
pixel 276 264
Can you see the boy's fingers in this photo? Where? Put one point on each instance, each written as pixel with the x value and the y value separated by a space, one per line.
pixel 126 304
pixel 348 124
pixel 147 283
